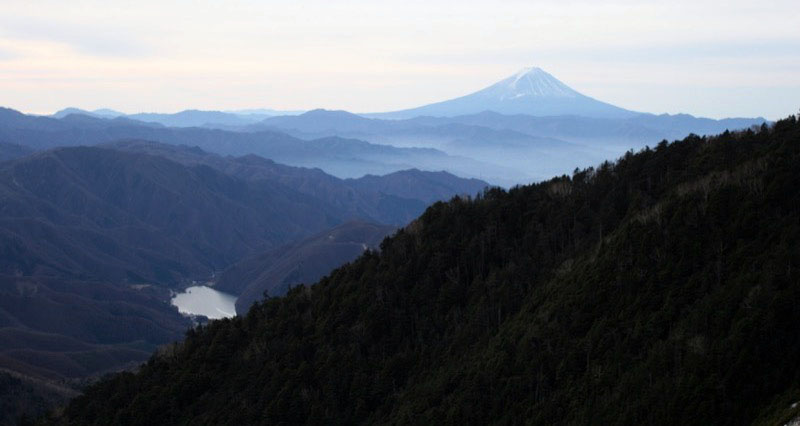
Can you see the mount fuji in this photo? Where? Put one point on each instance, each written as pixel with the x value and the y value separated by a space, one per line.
pixel 531 91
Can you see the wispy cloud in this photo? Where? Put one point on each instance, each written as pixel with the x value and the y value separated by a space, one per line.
pixel 7 54
pixel 671 52
pixel 91 39
pixel 653 53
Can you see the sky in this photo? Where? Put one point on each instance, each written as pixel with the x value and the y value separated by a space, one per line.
pixel 706 58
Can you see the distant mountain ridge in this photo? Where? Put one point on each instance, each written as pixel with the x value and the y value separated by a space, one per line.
pixel 100 113
pixel 196 118
pixel 526 127
pixel 343 157
pixel 185 118
pixel 502 149
pixel 530 147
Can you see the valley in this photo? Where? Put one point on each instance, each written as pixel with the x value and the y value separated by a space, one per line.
pixel 404 251
pixel 95 242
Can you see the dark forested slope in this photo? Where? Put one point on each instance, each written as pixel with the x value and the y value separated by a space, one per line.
pixel 166 214
pixel 274 272
pixel 395 198
pixel 660 289
pixel 108 214
pixel 10 151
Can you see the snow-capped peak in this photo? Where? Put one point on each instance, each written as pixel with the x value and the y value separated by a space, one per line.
pixel 525 71
pixel 531 91
pixel 533 82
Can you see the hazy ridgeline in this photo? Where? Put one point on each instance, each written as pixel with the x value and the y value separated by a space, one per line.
pixel 527 127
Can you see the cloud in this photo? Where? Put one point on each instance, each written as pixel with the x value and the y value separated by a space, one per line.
pixel 95 40
pixel 672 52
pixel 632 53
pixel 7 54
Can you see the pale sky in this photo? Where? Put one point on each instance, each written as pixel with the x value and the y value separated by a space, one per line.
pixel 714 59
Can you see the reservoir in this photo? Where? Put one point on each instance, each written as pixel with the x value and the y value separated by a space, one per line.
pixel 202 300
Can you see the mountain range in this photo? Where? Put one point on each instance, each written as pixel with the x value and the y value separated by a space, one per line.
pixel 522 147
pixel 343 157
pixel 657 289
pixel 524 128
pixel 103 216
pixel 186 118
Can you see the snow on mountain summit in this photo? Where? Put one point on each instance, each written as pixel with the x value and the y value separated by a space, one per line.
pixel 531 81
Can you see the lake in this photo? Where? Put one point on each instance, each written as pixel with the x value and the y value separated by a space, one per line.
pixel 202 300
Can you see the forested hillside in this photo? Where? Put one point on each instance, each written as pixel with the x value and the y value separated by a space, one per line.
pixel 93 240
pixel 274 272
pixel 660 289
